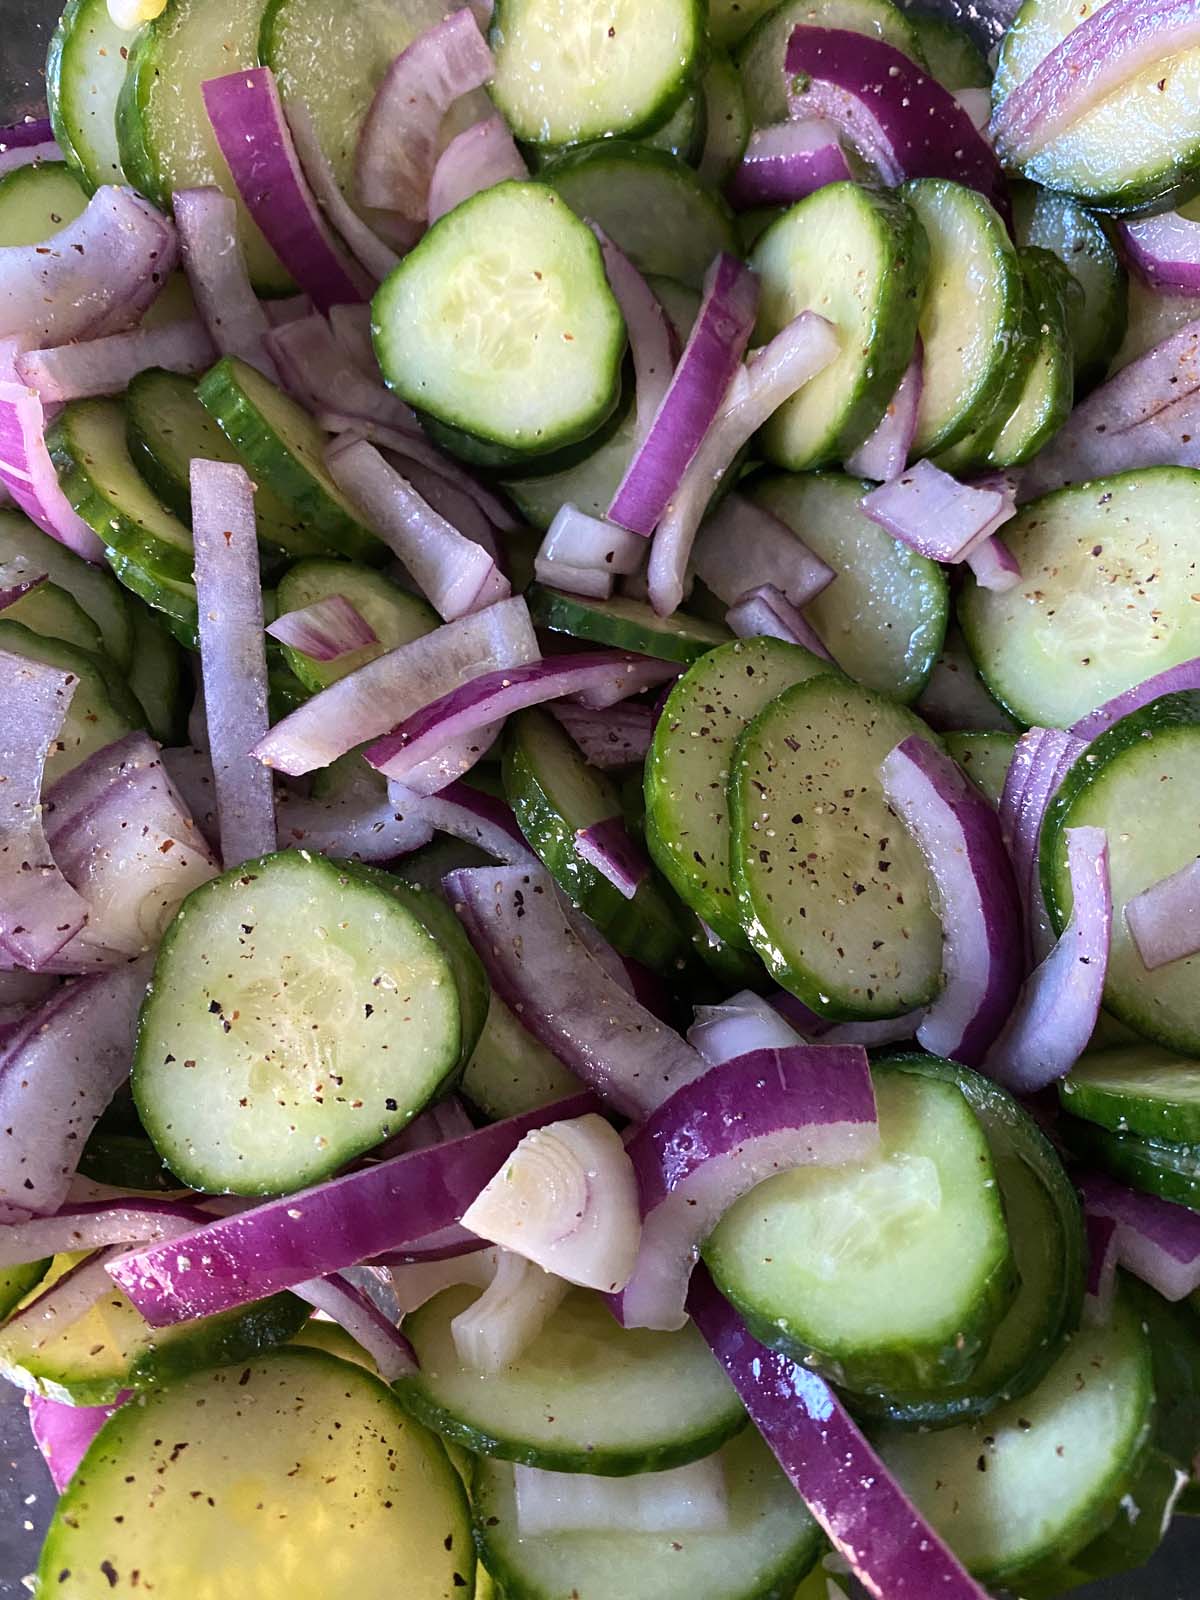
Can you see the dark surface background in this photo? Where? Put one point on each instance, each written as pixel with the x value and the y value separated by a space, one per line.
pixel 26 1494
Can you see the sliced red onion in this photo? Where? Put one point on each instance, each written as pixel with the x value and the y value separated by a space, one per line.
pixel 296 306
pixel 316 368
pixel 96 1225
pixel 743 546
pixel 1040 761
pixel 651 339
pixel 780 368
pixel 374 1211
pixel 106 366
pixel 39 910
pixel 1104 51
pixel 1184 676
pixel 544 974
pixel 994 565
pixel 637 673
pixel 958 833
pixel 358 822
pixel 476 159
pixel 692 1499
pixel 1164 920
pixel 518 1300
pixel 883 453
pixel 92 277
pixel 765 613
pixel 890 1548
pixel 689 407
pixel 1056 1014
pixel 325 630
pixel 207 221
pixel 1155 1239
pixel 1164 251
pixel 232 655
pixel 28 474
pixel 351 327
pixel 63 1432
pixel 366 1324
pixel 20 989
pixel 871 1035
pixel 65 1301
pixel 56 1077
pixel 618 737
pixel 742 1024
pixel 1100 1284
pixel 787 161
pixel 939 517
pixel 398 145
pixel 718 1137
pixel 900 117
pixel 977 103
pixel 368 249
pixel 368 703
pixel 472 815
pixel 578 541
pixel 248 121
pixel 455 574
pixel 591 582
pixel 608 847
pixel 191 772
pixel 22 143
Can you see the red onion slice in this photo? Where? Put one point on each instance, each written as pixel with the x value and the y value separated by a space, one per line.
pixel 476 159
pixel 472 815
pixel 743 546
pixel 397 148
pixel 1040 761
pixel 786 162
pixel 577 546
pixel 958 834
pixel 216 273
pixel 939 517
pixel 232 656
pixel 765 613
pixel 1164 920
pixel 106 366
pixel 69 800
pixel 883 453
pixel 366 1324
pixel 710 359
pixel 358 821
pixel 23 143
pixel 1184 676
pixel 890 1548
pixel 742 1024
pixel 542 971
pixel 28 474
pixel 1056 1014
pixel 315 366
pixel 994 565
pixel 651 339
pixel 329 628
pixel 1155 1239
pixel 368 703
pixel 63 1432
pixel 630 676
pixel 608 847
pixel 248 121
pixel 96 1225
pixel 1164 251
pixel 368 249
pixel 618 737
pixel 1100 1284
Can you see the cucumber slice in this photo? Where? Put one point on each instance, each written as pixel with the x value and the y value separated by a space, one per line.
pixel 950 51
pixel 554 794
pixel 731 20
pixel 834 894
pixel 770 1543
pixel 858 257
pixel 261 1067
pixel 87 447
pixel 761 55
pixel 284 450
pixel 970 316
pixel 164 136
pixel 588 484
pixel 1137 783
pixel 85 69
pixel 519 344
pixel 1141 1089
pixel 99 713
pixel 1054 222
pixel 1151 318
pixel 1169 1170
pixel 682 134
pixel 666 220
pixel 884 616
pixel 296 1438
pixel 37 200
pixel 53 613
pixel 126 1161
pixel 687 823
pixel 585 1396
pixel 511 1072
pixel 112 1347
pixel 26 552
pixel 984 756
pixel 1084 625
pixel 727 120
pixel 567 73
pixel 890 1273
pixel 1055 1463
pixel 1138 148
pixel 172 598
pixel 167 428
pixel 156 679
pixel 625 624
pixel 397 616
pixel 17 1282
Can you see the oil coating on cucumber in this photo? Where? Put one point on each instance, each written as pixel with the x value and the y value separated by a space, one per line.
pixel 38 200
pixel 1155 1166
pixel 510 1071
pixel 625 624
pixel 1138 1089
pixel 85 69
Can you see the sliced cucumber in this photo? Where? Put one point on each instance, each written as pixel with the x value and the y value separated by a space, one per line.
pixel 585 1396
pixel 1152 317
pixel 1169 1170
pixel 833 892
pixel 99 713
pixel 510 1071
pixel 731 20
pixel 687 821
pixel 55 614
pixel 298 1016
pixel 726 118
pixel 98 477
pixel 682 134
pixel 26 552
pixel 17 1282
pixel 85 69
pixel 165 139
pixel 761 55
pixel 883 618
pixel 37 200
pixel 157 679
pixel 1085 624
pixel 1045 1474
pixel 190 1489
pixel 626 624
pixel 666 220
pixel 970 316
pixel 284 451
pixel 768 1545
pixel 889 1273
pixel 985 757
pixel 858 257
pixel 1143 1090
pixel 519 342
pixel 126 1161
pixel 396 616
pixel 112 1347
pixel 953 58
pixel 1138 783
pixel 567 73
pixel 588 484
pixel 174 599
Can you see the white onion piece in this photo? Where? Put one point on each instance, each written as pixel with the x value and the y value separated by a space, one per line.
pixel 314 365
pixel 476 159
pixel 207 221
pixel 516 1304
pixel 743 1023
pixel 1164 920
pixel 743 545
pixel 579 540
pixel 691 1499
pixel 106 366
pixel 651 339
pixel 566 1199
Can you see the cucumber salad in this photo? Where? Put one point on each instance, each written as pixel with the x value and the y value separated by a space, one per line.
pixel 599 752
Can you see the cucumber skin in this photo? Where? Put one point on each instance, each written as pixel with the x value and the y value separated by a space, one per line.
pixel 17 1282
pixel 181 621
pixel 54 72
pixel 141 170
pixel 561 613
pixel 1157 1118
pixel 1153 1166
